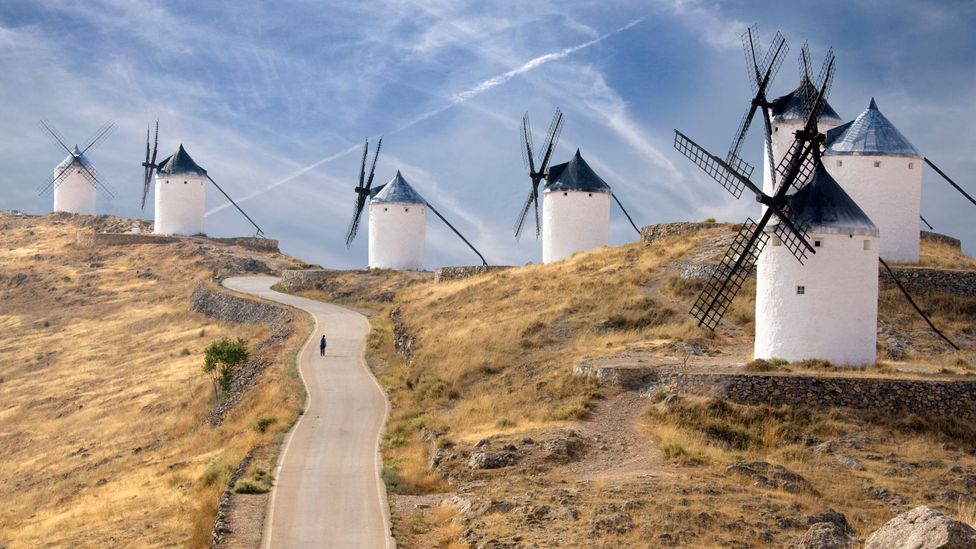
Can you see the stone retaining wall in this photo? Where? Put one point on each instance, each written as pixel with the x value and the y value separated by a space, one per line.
pixel 921 280
pixel 90 239
pixel 652 233
pixel 295 280
pixel 892 396
pixel 944 239
pixel 226 306
pixel 251 243
pixel 455 273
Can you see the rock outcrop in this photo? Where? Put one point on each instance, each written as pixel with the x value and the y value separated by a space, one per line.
pixel 923 528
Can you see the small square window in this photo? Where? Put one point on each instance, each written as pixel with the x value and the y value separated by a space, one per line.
pixel 565 194
pixel 818 243
pixel 801 290
pixel 840 163
pixel 386 209
pixel 911 165
pixel 406 209
pixel 877 163
pixel 867 244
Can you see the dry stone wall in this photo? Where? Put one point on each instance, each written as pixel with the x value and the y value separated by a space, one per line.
pixel 304 279
pixel 226 306
pixel 455 273
pixel 653 233
pixel 893 396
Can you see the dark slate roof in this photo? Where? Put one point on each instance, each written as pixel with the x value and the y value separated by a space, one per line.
pixel 397 190
pixel 180 163
pixel 576 175
pixel 870 134
pixel 823 204
pixel 75 156
pixel 790 107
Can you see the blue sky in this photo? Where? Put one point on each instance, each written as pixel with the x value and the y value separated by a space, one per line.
pixel 275 101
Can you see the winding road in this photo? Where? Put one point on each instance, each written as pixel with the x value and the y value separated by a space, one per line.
pixel 328 491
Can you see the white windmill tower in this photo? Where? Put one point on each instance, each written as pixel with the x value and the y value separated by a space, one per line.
pixel 882 171
pixel 826 307
pixel 575 200
pixel 397 227
pixel 397 220
pixel 181 192
pixel 75 180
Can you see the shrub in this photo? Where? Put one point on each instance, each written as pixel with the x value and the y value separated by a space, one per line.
pixel 185 352
pixel 771 365
pixel 262 423
pixel 220 359
pixel 251 486
pixel 215 471
pixel 709 220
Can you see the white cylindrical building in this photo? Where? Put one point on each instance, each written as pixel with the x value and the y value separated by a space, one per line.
pixel 575 210
pixel 882 171
pixel 397 227
pixel 74 191
pixel 787 117
pixel 181 191
pixel 826 308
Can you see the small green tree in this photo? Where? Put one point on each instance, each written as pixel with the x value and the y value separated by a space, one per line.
pixel 221 359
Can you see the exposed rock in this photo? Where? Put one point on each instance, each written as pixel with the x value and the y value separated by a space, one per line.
pixel 824 535
pixel 923 528
pixel 491 460
pixel 849 462
pixel 619 523
pixel 768 475
pixel 565 449
pixel 833 517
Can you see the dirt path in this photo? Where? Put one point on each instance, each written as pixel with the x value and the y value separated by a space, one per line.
pixel 328 491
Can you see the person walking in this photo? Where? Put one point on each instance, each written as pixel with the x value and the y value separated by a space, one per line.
pixel 322 346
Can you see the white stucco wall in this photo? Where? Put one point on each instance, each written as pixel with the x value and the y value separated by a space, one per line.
pixel 573 221
pixel 396 236
pixel 180 204
pixel 74 194
pixel 836 318
pixel 890 194
pixel 783 137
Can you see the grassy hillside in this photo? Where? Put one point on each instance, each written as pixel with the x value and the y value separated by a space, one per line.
pixel 102 440
pixel 490 370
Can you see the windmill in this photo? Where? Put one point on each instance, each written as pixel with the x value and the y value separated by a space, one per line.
pixel 575 203
pixel 179 208
pixel 733 174
pixel 75 182
pixel 882 171
pixel 397 219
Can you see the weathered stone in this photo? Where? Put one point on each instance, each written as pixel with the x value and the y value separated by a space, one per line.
pixel 619 523
pixel 923 528
pixel 824 535
pixel 491 460
pixel 769 475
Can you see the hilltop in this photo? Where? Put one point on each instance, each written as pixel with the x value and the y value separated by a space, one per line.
pixel 106 431
pixel 499 438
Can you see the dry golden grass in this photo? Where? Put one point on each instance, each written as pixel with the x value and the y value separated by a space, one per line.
pixel 940 255
pixel 907 456
pixel 101 434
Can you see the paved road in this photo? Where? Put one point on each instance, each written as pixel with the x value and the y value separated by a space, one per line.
pixel 328 492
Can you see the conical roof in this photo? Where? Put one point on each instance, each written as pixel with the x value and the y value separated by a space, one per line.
pixel 396 190
pixel 180 163
pixel 576 175
pixel 75 156
pixel 790 106
pixel 823 205
pixel 870 134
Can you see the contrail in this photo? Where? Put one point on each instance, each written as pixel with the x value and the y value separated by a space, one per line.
pixel 456 100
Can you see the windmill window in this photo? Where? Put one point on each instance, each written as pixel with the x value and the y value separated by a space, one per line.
pixel 386 209
pixel 840 163
pixel 818 243
pixel 565 194
pixel 589 194
pixel 911 165
pixel 867 244
pixel 184 182
pixel 406 209
pixel 801 290
pixel 877 163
